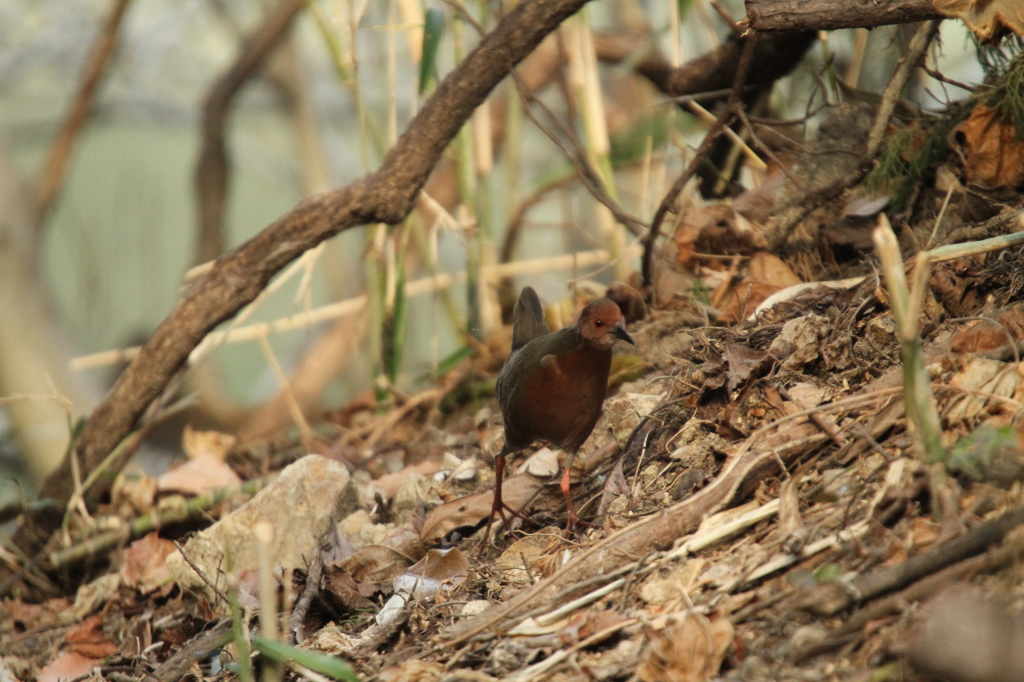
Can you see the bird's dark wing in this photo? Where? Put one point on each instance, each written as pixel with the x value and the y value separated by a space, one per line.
pixel 527 319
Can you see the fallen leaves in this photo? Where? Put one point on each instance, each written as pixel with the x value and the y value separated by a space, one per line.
pixel 994 147
pixel 988 19
pixel 145 565
pixel 686 647
pixel 87 647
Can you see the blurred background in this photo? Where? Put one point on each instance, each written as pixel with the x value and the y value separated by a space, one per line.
pixel 96 261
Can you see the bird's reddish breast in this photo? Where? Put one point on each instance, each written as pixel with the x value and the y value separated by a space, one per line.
pixel 560 398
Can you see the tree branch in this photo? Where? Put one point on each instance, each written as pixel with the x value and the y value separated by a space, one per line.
pixel 829 15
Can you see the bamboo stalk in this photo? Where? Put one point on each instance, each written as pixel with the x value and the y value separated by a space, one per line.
pixel 906 304
pixel 333 311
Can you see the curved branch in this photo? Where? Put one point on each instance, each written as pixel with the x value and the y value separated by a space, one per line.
pixel 385 196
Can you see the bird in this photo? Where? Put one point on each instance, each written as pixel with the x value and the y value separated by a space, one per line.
pixel 553 385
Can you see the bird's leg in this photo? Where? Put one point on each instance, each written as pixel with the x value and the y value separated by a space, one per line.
pixel 497 507
pixel 573 519
pixel 570 524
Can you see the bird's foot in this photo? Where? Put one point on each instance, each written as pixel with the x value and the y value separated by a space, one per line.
pixel 574 522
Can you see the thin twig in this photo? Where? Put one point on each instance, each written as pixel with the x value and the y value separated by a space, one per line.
pixel 876 136
pixel 669 200
pixel 588 176
pixel 202 574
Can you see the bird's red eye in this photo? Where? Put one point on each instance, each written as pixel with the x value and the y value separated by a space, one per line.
pixel 598 323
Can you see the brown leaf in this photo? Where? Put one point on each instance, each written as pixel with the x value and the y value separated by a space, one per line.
pixel 615 486
pixel 588 623
pixel 443 565
pixel 744 362
pixel 339 584
pixel 689 649
pixel 145 565
pixel 989 19
pixel 88 639
pixel 769 269
pixel 204 473
pixel 979 335
pixel 199 443
pixel 473 510
pixel 739 301
pixel 67 666
pixel 714 229
pixel 375 564
pixel 995 153
pixel 33 615
pixel 133 494
pixel 393 481
pixel 414 671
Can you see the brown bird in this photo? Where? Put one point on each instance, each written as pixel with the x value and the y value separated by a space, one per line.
pixel 553 385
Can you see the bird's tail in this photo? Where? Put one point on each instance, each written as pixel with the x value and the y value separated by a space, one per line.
pixel 527 319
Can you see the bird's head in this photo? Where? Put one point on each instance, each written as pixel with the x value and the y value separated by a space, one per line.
pixel 601 324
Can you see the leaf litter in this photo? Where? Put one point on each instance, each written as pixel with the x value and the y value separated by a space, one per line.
pixel 759 507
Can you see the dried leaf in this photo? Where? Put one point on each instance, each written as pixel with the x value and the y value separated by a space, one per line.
pixel 30 616
pixel 714 229
pixel 989 19
pixel 133 494
pixel 799 342
pixel 339 584
pixel 770 269
pixel 744 362
pixel 588 623
pixel 615 486
pixel 436 573
pixel 689 649
pixel 392 482
pixel 145 565
pixel 93 595
pixel 376 564
pixel 523 557
pixel 741 300
pixel 199 443
pixel 441 565
pixel 543 463
pixel 995 153
pixel 414 671
pixel 68 666
pixel 88 639
pixel 196 476
pixel 467 514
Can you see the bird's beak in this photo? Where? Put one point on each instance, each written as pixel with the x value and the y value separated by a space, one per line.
pixel 620 332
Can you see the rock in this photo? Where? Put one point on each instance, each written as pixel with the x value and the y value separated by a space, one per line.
pixel 360 530
pixel 626 410
pixel 475 607
pixel 298 504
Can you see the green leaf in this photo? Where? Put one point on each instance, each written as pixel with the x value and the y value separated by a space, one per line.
pixel 433 29
pixel 399 317
pixel 314 660
pixel 453 360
